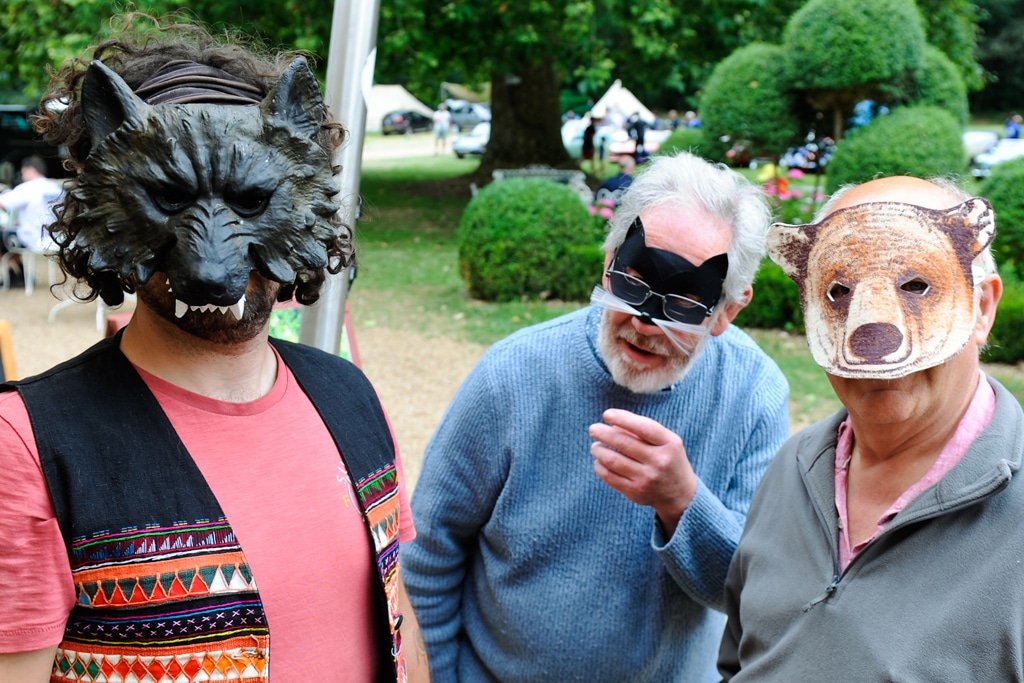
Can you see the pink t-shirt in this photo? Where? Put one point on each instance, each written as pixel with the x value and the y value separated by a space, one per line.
pixel 975 419
pixel 278 477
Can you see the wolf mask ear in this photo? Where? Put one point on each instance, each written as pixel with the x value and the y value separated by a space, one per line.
pixel 107 102
pixel 296 99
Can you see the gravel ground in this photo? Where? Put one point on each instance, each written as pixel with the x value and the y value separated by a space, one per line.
pixel 416 377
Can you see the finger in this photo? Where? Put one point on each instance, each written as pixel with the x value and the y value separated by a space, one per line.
pixel 619 440
pixel 646 429
pixel 615 462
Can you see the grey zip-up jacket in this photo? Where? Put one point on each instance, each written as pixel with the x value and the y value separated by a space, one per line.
pixel 937 596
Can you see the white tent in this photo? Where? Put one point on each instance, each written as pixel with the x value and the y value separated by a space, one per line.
pixel 388 98
pixel 618 104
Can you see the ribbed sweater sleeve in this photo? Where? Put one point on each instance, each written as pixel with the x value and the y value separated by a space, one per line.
pixel 698 554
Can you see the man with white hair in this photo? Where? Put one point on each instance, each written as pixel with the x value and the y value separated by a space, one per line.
pixel 583 495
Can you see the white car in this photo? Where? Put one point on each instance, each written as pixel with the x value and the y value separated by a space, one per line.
pixel 1004 150
pixel 466 115
pixel 473 142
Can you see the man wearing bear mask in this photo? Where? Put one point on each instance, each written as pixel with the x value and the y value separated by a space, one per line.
pixel 582 497
pixel 191 500
pixel 884 542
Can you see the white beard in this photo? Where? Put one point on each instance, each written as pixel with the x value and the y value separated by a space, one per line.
pixel 679 351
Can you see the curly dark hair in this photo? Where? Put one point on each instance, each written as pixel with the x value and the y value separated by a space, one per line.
pixel 143 45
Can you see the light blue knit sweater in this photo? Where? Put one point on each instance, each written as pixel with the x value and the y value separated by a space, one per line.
pixel 527 567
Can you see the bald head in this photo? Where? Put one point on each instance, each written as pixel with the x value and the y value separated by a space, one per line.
pixel 903 189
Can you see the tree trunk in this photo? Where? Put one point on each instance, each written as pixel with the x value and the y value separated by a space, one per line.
pixel 526 120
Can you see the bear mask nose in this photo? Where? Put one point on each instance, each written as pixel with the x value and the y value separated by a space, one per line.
pixel 874 341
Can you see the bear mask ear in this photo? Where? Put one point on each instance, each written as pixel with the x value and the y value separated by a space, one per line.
pixel 789 245
pixel 107 102
pixel 977 216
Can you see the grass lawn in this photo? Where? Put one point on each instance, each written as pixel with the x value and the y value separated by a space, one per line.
pixel 408 275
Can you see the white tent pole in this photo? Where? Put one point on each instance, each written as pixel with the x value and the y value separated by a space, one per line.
pixel 350 61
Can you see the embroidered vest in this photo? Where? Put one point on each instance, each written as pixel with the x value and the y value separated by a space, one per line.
pixel 162 586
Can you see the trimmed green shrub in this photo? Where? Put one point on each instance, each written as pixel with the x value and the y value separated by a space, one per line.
pixel 529 238
pixel 843 44
pixel 747 100
pixel 1004 189
pixel 776 302
pixel 686 140
pixel 939 83
pixel 917 141
pixel 1005 341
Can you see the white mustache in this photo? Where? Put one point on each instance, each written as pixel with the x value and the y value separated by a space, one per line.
pixel 676 333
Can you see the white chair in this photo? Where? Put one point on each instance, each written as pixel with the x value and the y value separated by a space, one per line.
pixel 28 258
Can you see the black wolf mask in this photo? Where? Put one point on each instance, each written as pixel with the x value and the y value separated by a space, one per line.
pixel 206 193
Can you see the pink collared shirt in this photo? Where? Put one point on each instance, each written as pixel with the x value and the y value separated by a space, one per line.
pixel 978 415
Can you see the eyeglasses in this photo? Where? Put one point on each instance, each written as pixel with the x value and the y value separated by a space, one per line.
pixel 635 292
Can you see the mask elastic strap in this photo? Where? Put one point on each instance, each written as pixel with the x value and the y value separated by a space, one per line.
pixel 673 330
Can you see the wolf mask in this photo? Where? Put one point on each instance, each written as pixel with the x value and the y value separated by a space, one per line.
pixel 887 288
pixel 206 193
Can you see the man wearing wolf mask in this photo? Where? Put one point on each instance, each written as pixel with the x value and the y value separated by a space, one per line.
pixel 189 499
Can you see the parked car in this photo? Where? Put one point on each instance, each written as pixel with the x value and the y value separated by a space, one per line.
pixel 1004 150
pixel 405 121
pixel 466 115
pixel 978 142
pixel 473 142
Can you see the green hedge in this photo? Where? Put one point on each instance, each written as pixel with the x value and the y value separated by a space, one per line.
pixel 920 141
pixel 529 238
pixel 776 302
pixel 686 140
pixel 1004 188
pixel 1006 341
pixel 939 83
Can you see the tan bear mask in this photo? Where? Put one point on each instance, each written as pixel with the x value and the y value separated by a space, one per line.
pixel 886 288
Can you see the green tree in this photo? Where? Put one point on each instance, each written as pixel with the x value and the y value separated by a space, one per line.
pixel 843 51
pixel 999 55
pixel 953 27
pixel 529 50
pixel 43 34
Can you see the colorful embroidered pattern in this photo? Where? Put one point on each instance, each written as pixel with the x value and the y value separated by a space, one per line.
pixel 378 495
pixel 163 603
pixel 236 664
pixel 150 541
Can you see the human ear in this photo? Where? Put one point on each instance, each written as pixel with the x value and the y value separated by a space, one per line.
pixel 730 311
pixel 991 292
